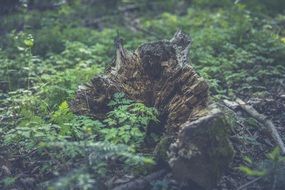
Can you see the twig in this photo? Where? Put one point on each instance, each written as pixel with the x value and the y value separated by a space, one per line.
pixel 263 119
pixel 249 183
pixel 274 182
pixel 133 25
pixel 142 182
pixel 127 8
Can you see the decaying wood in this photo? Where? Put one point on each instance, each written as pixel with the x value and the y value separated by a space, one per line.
pixel 202 150
pixel 159 75
pixel 142 182
pixel 264 120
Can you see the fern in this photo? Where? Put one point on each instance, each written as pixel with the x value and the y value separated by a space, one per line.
pixel 128 122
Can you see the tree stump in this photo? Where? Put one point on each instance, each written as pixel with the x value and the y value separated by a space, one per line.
pixel 195 142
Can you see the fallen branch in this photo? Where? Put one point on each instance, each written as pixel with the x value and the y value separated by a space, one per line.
pixel 250 182
pixel 263 119
pixel 141 182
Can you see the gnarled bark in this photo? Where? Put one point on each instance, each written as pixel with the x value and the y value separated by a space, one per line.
pixel 159 75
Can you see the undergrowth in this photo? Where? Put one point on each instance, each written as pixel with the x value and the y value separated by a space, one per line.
pixel 45 54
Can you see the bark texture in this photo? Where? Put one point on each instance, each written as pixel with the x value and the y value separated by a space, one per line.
pixel 159 75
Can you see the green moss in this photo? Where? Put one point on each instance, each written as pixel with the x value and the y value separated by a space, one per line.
pixel 161 149
pixel 224 152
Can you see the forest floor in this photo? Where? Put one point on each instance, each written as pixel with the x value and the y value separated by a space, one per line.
pixel 45 55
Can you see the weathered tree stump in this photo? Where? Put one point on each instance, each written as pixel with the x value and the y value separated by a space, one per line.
pixel 159 75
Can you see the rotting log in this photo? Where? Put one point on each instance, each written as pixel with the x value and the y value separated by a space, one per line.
pixel 159 75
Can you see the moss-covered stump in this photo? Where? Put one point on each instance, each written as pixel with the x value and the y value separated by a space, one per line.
pixel 159 75
pixel 202 151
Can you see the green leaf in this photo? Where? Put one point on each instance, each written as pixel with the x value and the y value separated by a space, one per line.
pixel 248 171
